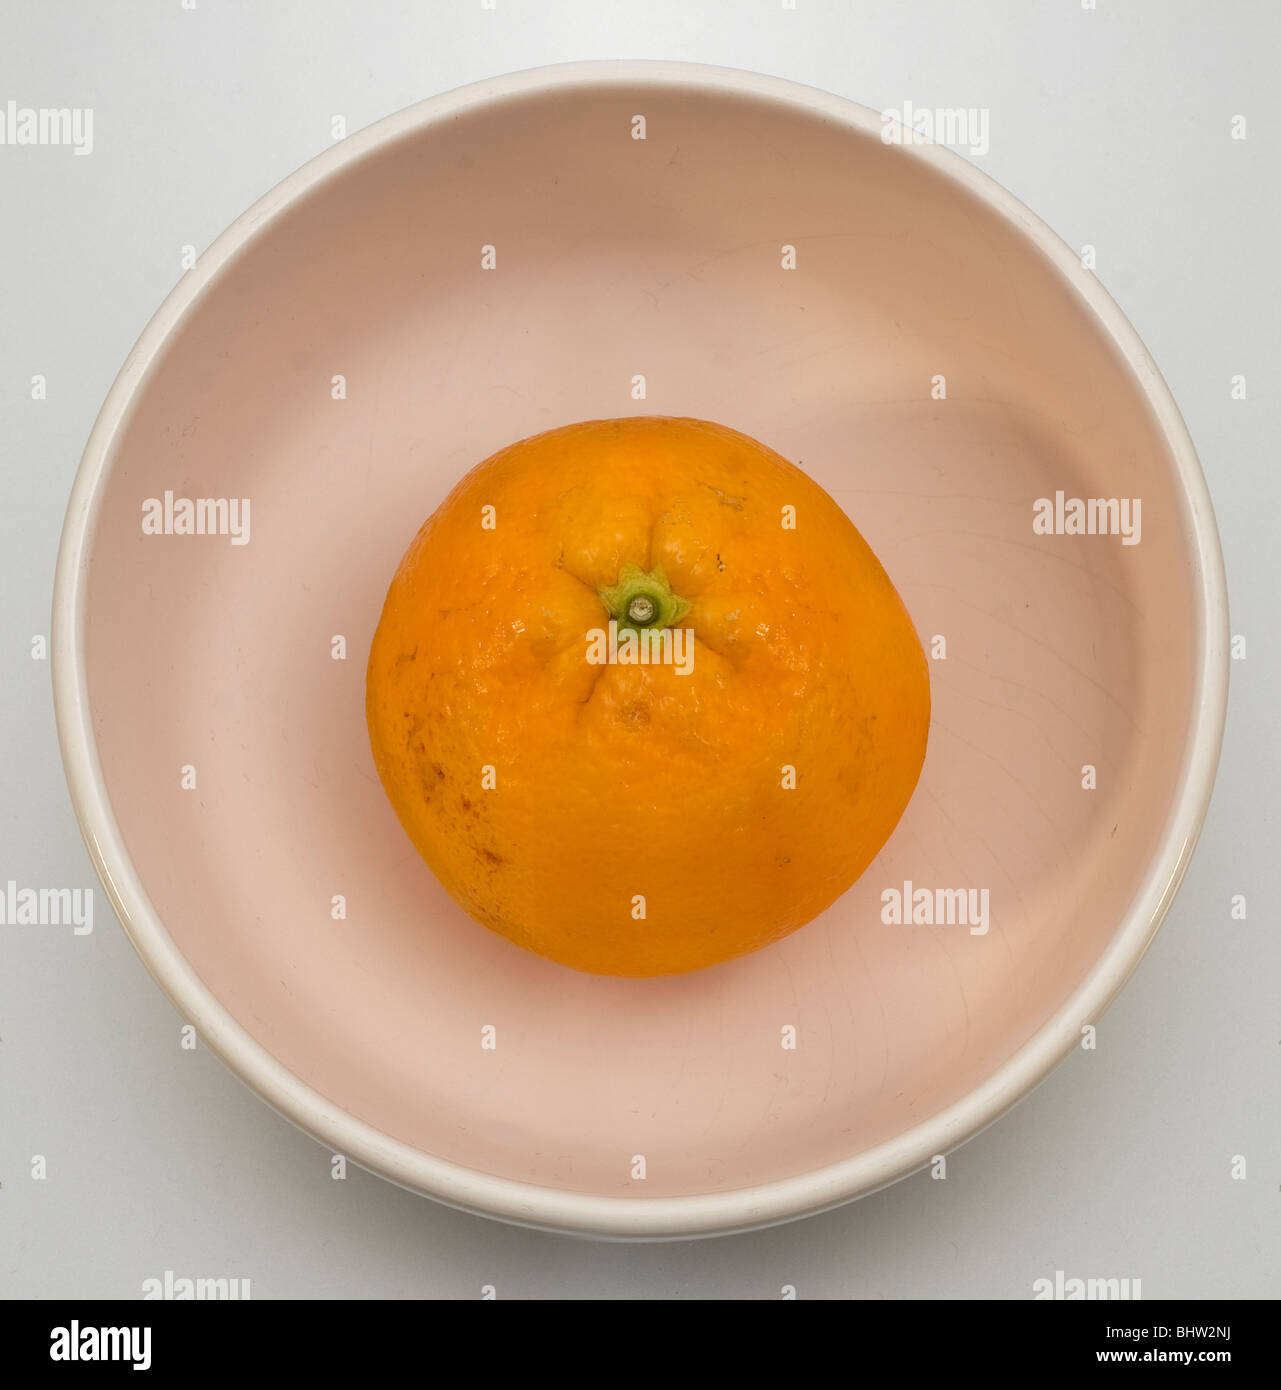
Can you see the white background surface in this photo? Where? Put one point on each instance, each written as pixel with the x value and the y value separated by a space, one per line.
pixel 1115 126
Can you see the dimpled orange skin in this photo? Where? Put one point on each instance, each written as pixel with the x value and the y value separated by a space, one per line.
pixel 613 783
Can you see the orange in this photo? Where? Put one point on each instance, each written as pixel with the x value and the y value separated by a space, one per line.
pixel 707 797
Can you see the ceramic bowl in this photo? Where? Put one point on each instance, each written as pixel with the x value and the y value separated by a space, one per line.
pixel 512 257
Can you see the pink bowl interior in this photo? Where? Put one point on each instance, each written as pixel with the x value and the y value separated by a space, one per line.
pixel 616 258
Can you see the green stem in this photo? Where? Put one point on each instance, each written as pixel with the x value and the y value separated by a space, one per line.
pixel 641 600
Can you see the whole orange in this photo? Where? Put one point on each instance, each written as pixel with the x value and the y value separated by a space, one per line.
pixel 643 697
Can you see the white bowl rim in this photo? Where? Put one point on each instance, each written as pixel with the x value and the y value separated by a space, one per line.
pixel 524 1203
